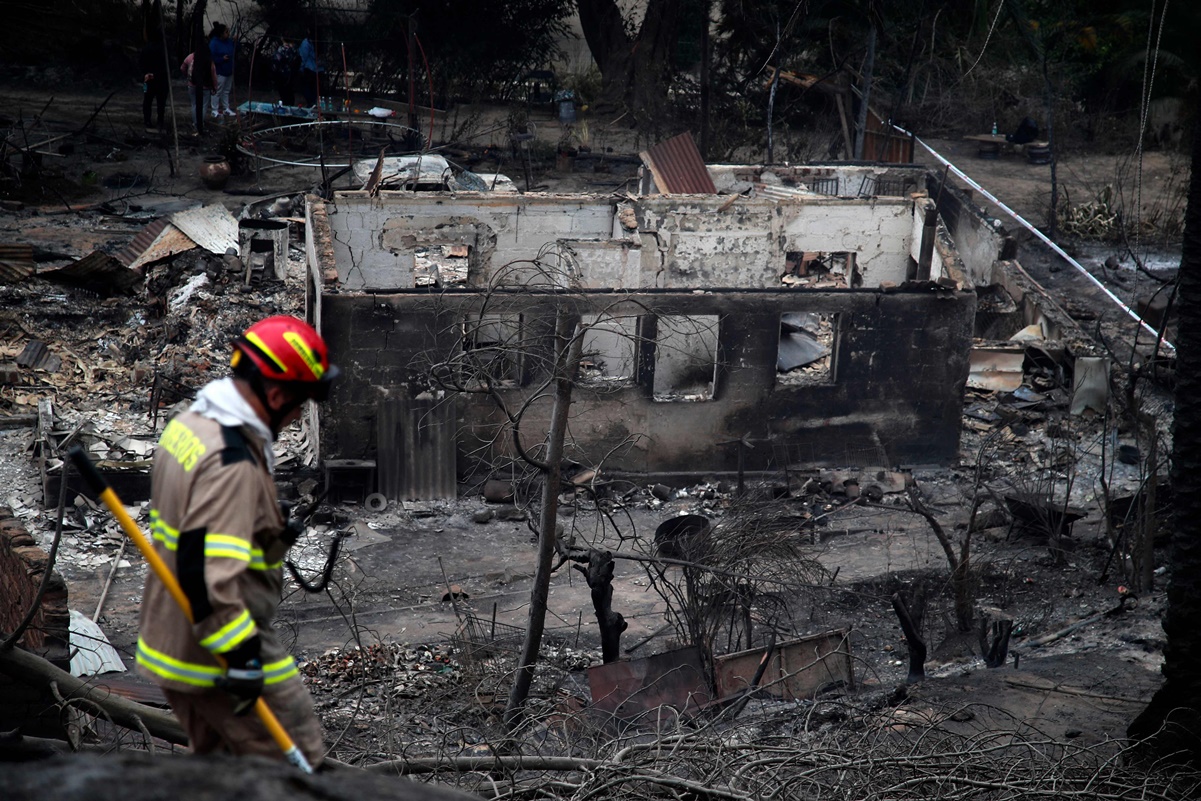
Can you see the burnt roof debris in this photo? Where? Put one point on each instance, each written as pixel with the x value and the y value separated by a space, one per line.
pixel 16 263
pixel 38 357
pixel 678 167
pixel 97 272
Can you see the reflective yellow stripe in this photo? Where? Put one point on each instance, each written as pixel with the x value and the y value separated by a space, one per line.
pixel 161 532
pixel 305 352
pixel 261 345
pixel 232 634
pixel 168 667
pixel 226 546
pixel 284 669
pixel 259 562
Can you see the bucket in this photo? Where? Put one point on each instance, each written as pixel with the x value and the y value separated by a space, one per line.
pixel 681 537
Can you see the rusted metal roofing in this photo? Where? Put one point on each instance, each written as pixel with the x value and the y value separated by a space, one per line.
pixel 156 241
pixel 39 357
pixel 678 167
pixel 97 272
pixel 211 227
pixel 16 263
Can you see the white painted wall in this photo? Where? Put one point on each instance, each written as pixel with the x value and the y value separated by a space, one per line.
pixel 682 241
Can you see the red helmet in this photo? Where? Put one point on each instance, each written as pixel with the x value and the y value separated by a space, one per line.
pixel 286 350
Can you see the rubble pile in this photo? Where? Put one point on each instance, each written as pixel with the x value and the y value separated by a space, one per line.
pixel 381 670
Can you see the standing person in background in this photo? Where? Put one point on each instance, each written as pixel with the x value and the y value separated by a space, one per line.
pixel 201 74
pixel 284 66
pixel 222 49
pixel 153 64
pixel 310 70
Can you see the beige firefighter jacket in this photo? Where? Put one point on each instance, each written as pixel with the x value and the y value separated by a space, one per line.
pixel 216 522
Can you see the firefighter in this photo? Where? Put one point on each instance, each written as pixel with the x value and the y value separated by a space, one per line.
pixel 216 522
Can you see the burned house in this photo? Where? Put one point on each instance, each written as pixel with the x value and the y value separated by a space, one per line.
pixel 795 320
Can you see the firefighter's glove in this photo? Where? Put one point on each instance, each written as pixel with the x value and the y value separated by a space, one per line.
pixel 243 678
pixel 293 526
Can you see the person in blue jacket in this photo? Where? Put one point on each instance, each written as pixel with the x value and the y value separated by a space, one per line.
pixel 222 48
pixel 309 71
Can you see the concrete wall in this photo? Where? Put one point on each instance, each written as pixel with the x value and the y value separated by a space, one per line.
pixel 894 396
pixel 669 242
pixel 980 240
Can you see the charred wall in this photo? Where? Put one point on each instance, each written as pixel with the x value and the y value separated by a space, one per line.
pixel 893 393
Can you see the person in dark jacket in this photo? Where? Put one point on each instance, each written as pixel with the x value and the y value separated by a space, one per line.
pixel 285 65
pixel 201 75
pixel 153 63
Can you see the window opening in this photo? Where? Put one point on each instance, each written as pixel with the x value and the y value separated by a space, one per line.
pixel 819 270
pixel 440 265
pixel 825 186
pixel 685 358
pixel 805 356
pixel 609 350
pixel 492 347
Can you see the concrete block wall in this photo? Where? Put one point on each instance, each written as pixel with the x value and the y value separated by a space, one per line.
pixel 979 239
pixel 895 395
pixel 681 242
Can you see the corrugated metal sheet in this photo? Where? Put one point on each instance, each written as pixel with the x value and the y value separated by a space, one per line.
pixel 39 357
pixel 16 263
pixel 796 670
pixel 91 652
pixel 211 227
pixel 156 241
pixel 97 272
pixel 417 448
pixel 678 167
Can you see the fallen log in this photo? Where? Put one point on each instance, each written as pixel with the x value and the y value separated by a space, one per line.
pixel 37 672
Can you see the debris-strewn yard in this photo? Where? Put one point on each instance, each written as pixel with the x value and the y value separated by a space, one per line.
pixel 409 653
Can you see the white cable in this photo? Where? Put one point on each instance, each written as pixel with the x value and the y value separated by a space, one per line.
pixel 1046 240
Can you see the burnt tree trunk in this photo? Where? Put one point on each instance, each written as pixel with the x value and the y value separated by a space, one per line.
pixel 1171 723
pixel 599 575
pixel 634 69
pixel 913 640
pixel 568 348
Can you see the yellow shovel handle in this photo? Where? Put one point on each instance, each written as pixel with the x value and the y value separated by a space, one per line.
pixel 103 491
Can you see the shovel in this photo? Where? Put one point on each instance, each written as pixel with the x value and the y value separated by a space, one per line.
pixel 99 486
